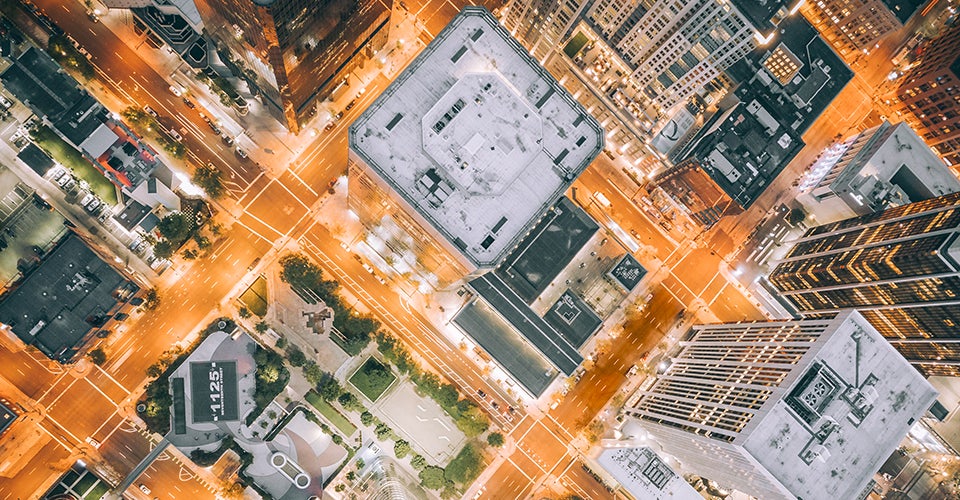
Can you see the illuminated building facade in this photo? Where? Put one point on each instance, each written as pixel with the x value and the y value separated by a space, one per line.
pixel 900 268
pixel 785 409
pixel 851 26
pixel 464 152
pixel 930 96
pixel 882 167
pixel 296 52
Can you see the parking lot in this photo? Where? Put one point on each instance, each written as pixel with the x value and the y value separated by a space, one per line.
pixel 26 224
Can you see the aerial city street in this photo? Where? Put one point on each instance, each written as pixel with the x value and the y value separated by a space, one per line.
pixel 497 249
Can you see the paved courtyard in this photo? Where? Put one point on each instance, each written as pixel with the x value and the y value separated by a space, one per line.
pixel 421 422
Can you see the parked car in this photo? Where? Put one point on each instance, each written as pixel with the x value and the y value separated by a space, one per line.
pixel 227 139
pixel 87 198
pixel 241 153
pixel 64 179
pixel 176 91
pixel 148 110
pixel 175 135
pixel 189 103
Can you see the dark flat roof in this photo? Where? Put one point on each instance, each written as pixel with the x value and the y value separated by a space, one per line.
pixel 506 347
pixel 547 249
pixel 36 159
pixel 904 9
pixel 213 391
pixel 7 416
pixel 132 214
pixel 35 78
pixel 81 119
pixel 535 329
pixel 572 318
pixel 58 303
pixel 628 272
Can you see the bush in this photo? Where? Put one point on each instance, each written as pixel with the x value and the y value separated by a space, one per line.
pixel 175 227
pixel 151 299
pixel 418 462
pixel 495 439
pixel 431 477
pixel 401 448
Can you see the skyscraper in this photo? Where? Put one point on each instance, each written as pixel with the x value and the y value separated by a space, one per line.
pixel 665 50
pixel 930 96
pixel 296 52
pixel 899 267
pixel 787 409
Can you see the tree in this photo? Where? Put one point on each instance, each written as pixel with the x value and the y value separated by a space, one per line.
pixel 466 466
pixel 349 401
pixel 203 242
pixel 295 356
pixel 281 343
pixel 418 462
pixel 401 448
pixel 154 370
pixel 299 272
pixel 495 439
pixel 796 216
pixel 151 299
pixel 261 327
pixel 328 387
pixel 97 356
pixel 244 312
pixel 431 477
pixel 383 431
pixel 163 249
pixel 210 179
pixel 175 227
pixel 312 372
pixel 473 421
pixel 366 418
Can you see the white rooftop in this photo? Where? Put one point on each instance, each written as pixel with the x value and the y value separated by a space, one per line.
pixel 645 476
pixel 477 137
pixel 847 413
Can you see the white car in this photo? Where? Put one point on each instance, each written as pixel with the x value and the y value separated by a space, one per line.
pixel 87 198
pixel 64 179
pixel 241 152
pixel 176 135
pixel 176 91
pixel 144 489
pixel 93 205
pixel 148 110
pixel 56 173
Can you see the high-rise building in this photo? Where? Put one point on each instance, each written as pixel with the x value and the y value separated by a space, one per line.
pixel 899 267
pixel 885 166
pixel 853 27
pixel 930 96
pixel 786 409
pixel 296 53
pixel 541 25
pixel 464 152
pixel 662 51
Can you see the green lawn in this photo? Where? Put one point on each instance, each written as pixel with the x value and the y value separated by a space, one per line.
pixel 69 157
pixel 372 379
pixel 576 43
pixel 255 297
pixel 330 413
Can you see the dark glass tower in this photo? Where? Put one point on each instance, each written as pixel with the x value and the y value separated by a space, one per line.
pixel 899 267
pixel 297 52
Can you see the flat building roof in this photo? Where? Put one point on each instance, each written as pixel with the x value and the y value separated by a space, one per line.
pixel 477 137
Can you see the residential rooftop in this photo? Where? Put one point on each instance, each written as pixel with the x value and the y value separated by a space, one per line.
pixel 843 416
pixel 477 137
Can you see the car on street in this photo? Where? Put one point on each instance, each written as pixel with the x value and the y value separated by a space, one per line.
pixel 144 489
pixel 176 135
pixel 148 110
pixel 189 103
pixel 330 126
pixel 227 139
pixel 176 91
pixel 241 153
pixel 633 370
pixel 351 104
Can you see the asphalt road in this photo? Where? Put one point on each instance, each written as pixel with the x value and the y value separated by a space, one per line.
pixel 283 210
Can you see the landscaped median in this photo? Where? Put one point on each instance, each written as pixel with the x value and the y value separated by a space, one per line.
pixel 330 413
